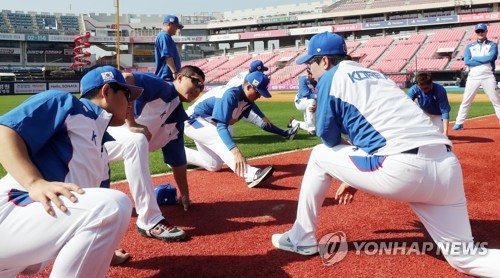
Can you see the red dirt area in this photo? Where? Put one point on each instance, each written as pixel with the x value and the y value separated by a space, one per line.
pixel 230 225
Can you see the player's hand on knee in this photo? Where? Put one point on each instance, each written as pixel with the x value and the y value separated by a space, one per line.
pixel 345 193
pixel 184 201
pixel 46 192
pixel 138 128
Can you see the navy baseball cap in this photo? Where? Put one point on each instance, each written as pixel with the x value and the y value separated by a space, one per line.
pixel 259 81
pixel 104 75
pixel 257 65
pixel 173 19
pixel 481 26
pixel 324 44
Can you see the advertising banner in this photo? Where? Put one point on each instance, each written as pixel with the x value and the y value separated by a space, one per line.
pixel 264 34
pixel 224 37
pixel 347 27
pixel 310 30
pixel 433 20
pixel 29 88
pixel 478 17
pixel 6 88
pixel 4 51
pixel 12 37
pixel 73 87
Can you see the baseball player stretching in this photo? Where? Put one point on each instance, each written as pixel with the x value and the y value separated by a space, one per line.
pixel 52 149
pixel 209 127
pixel 432 98
pixel 158 123
pixel 259 120
pixel 480 57
pixel 305 101
pixel 396 153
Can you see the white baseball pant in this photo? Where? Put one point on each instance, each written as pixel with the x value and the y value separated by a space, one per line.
pixel 255 119
pixel 489 86
pixel 430 182
pixel 309 123
pixel 82 240
pixel 133 149
pixel 211 152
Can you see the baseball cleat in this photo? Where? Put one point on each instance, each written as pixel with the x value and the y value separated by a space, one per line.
pixel 163 231
pixel 458 127
pixel 282 241
pixel 261 175
pixel 292 132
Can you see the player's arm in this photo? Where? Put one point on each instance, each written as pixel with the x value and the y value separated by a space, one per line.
pixel 304 90
pixel 468 60
pixel 261 115
pixel 328 125
pixel 14 157
pixel 444 107
pixel 171 64
pixel 134 126
pixel 239 159
pixel 222 115
pixel 166 46
pixel 492 56
pixel 446 122
pixel 412 93
pixel 180 177
pixel 174 154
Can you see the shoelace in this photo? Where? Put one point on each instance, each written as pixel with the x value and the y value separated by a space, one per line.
pixel 165 225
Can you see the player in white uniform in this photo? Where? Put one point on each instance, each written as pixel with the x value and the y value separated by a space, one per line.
pixel 480 58
pixel 396 153
pixel 156 121
pixel 305 101
pixel 52 150
pixel 259 120
pixel 210 123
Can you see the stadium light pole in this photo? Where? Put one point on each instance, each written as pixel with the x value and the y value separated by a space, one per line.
pixel 117 23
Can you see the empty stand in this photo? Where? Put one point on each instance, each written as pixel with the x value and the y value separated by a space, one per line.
pixel 370 51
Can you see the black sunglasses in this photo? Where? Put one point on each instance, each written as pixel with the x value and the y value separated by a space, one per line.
pixel 479 31
pixel 197 82
pixel 117 87
pixel 315 59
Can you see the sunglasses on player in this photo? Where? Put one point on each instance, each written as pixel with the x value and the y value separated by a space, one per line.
pixel 315 59
pixel 117 87
pixel 197 82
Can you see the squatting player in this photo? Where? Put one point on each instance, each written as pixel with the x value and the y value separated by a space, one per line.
pixel 52 147
pixel 396 153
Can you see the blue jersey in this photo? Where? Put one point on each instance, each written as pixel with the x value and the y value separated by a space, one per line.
pixel 306 89
pixel 64 137
pixel 370 108
pixel 160 109
pixel 435 102
pixel 165 47
pixel 480 57
pixel 225 109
